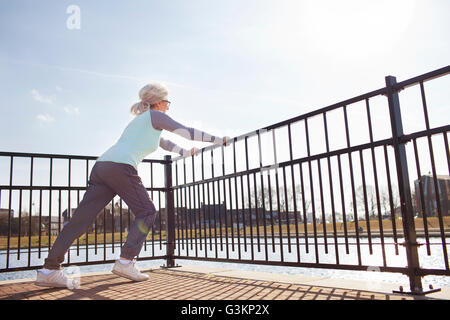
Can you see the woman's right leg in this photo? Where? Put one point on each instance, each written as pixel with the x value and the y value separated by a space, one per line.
pixel 97 196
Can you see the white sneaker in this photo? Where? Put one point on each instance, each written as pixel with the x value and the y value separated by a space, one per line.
pixel 129 271
pixel 56 279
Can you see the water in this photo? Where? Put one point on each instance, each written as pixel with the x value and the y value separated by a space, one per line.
pixel 435 260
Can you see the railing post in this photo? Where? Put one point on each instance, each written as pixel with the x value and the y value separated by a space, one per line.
pixel 170 213
pixel 409 231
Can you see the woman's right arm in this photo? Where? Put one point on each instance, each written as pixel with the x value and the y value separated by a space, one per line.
pixel 161 121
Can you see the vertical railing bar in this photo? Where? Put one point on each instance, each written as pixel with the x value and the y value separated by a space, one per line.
pixel 78 239
pixel 252 249
pixel 225 202
pixel 220 215
pixel 20 224
pixel 200 217
pixel 227 248
pixel 256 198
pixel 256 213
pixel 204 206
pixel 305 220
pixel 179 210
pixel 352 181
pixel 272 227
pixel 230 212
pixel 194 215
pixel 151 180
pixel 263 199
pixel 312 191
pixel 377 190
pixel 9 211
pixel 152 242
pixel 120 224
pixel 243 214
pixel 69 208
pixel 87 231
pixel 96 217
pixel 208 206
pixel 187 210
pixel 294 193
pixel 433 168
pixel 214 202
pixel 344 214
pixel 366 206
pixel 237 201
pixel 31 211
pixel 205 228
pixel 186 218
pixel 50 206
pixel 391 203
pixel 195 211
pixel 78 201
pixel 180 246
pixel 40 223
pixel 189 213
pixel 446 150
pixel 96 235
pixel 424 106
pixel 422 199
pixel 280 230
pixel 104 233
pixel 128 220
pixel 330 177
pixel 184 229
pixel 153 225
pixel 287 210
pixel 322 206
pixel 113 227
pixel 59 211
pixel 160 223
pixel 170 212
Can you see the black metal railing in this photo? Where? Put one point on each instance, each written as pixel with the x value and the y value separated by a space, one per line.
pixel 342 187
pixel 42 191
pixel 338 195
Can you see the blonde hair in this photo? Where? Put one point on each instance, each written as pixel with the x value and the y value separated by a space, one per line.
pixel 149 94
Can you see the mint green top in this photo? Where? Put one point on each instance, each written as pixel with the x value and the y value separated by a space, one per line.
pixel 137 141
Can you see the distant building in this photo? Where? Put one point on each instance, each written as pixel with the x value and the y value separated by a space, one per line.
pixel 430 196
pixel 56 224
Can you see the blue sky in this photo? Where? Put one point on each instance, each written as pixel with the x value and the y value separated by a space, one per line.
pixel 231 66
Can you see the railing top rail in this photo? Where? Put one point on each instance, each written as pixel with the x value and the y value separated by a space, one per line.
pixel 422 78
pixel 65 156
pixel 382 91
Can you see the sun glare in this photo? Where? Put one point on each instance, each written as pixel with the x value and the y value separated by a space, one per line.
pixel 352 28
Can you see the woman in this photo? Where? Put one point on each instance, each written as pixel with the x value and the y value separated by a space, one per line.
pixel 115 173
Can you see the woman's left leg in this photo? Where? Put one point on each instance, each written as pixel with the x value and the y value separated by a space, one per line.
pixel 128 185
